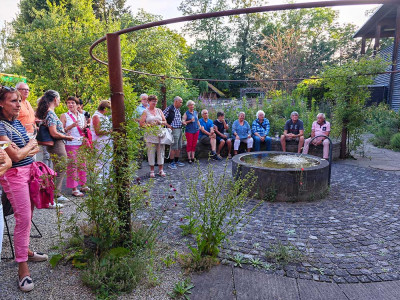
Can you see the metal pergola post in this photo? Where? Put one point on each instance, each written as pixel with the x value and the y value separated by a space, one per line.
pixel 118 121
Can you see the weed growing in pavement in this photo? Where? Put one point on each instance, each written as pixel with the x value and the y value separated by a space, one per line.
pixel 217 207
pixel 182 289
pixel 238 260
pixel 267 266
pixel 195 262
pixel 284 254
pixel 290 231
pixel 169 260
pixel 256 263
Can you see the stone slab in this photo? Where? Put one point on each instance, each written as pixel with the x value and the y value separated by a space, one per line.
pixel 257 285
pixel 372 291
pixel 217 284
pixel 202 151
pixel 311 290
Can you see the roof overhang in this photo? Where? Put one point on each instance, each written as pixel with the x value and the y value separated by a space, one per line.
pixel 384 16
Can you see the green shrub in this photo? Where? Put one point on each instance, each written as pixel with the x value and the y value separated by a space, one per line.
pixel 114 273
pixel 383 122
pixel 217 207
pixel 395 141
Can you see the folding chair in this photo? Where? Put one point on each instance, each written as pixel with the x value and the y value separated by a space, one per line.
pixel 8 211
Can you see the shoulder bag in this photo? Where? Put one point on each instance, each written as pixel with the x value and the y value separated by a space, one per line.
pixel 167 138
pixel 44 137
pixel 86 133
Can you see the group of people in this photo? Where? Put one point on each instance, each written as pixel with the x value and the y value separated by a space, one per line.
pixel 19 124
pixel 214 133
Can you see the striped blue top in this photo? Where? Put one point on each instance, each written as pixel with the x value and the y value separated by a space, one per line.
pixel 17 135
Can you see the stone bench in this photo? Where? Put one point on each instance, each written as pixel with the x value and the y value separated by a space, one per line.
pixel 202 151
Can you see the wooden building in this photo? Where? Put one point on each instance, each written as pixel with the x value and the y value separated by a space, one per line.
pixel 385 22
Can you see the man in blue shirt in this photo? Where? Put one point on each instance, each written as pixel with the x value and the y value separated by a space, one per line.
pixel 207 135
pixel 259 130
pixel 142 107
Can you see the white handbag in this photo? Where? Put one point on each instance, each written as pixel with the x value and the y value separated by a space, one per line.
pixel 166 136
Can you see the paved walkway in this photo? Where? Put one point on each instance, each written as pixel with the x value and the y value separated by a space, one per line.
pixel 376 158
pixel 225 283
pixel 353 236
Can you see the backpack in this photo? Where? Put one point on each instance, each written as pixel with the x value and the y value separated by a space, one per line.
pixel 41 185
pixel 171 115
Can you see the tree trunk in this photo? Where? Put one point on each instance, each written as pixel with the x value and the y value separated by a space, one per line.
pixel 343 143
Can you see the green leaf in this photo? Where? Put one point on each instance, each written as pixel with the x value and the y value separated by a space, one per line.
pixel 54 260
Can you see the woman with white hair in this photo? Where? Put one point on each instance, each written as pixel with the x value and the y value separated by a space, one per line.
pixel 260 129
pixel 191 120
pixel 242 133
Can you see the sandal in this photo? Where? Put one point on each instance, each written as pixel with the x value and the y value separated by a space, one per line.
pixel 85 189
pixel 152 174
pixel 77 194
pixel 162 173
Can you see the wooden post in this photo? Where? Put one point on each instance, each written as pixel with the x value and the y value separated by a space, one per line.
pixel 377 38
pixel 395 55
pixel 163 94
pixel 120 160
pixel 363 45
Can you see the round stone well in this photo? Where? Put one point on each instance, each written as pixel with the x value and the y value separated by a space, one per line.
pixel 283 184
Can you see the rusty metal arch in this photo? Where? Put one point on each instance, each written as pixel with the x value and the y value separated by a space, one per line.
pixel 115 73
pixel 229 13
pixel 114 53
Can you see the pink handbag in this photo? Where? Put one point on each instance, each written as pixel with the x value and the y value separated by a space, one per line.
pixel 41 185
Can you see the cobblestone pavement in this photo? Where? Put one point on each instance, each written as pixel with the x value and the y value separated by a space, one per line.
pixel 350 236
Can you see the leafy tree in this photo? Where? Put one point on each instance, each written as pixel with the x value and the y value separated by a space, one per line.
pixel 161 51
pixel 210 52
pixel 54 48
pixel 348 91
pixel 110 9
pixel 103 9
pixel 322 37
pixel 280 56
pixel 9 57
pixel 30 8
pixel 246 30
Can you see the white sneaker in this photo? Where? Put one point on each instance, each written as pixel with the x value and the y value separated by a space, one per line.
pixel 53 206
pixel 62 199
pixel 26 284
pixel 37 256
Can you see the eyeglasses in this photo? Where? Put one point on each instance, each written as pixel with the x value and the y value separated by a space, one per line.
pixel 25 90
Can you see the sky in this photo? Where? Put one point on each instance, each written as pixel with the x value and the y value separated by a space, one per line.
pixel 168 9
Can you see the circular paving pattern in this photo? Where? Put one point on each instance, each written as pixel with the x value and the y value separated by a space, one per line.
pixel 350 236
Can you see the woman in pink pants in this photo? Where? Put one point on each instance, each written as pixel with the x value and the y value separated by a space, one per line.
pixel 15 181
pixel 74 123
